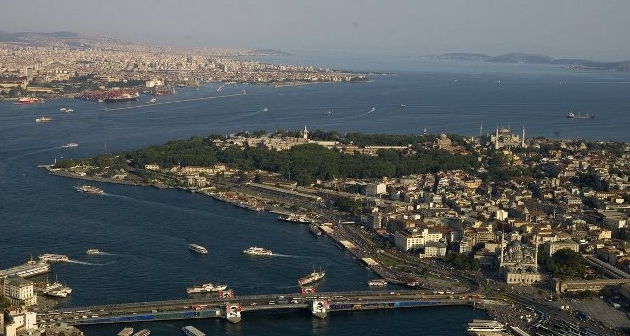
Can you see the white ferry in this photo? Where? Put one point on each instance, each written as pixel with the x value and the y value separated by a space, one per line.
pixel 70 145
pixel 485 326
pixel 294 218
pixel 313 277
pixel 377 282
pixel 31 268
pixel 50 257
pixel 93 251
pixel 197 248
pixel 89 189
pixel 258 251
pixel 192 331
pixel 205 288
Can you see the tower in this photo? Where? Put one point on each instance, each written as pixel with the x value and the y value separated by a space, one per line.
pixel 305 133
pixel 523 138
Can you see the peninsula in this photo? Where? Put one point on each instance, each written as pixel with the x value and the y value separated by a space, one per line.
pixel 537 222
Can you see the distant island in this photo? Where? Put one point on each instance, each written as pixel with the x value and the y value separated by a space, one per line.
pixel 571 63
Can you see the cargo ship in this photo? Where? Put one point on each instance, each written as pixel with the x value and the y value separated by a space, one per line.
pixel 119 97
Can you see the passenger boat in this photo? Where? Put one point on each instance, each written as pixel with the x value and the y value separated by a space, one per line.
pixel 27 100
pixel 93 251
pixel 485 326
pixel 70 145
pixel 89 189
pixel 313 277
pixel 192 331
pixel 51 257
pixel 56 289
pixel 377 282
pixel 294 218
pixel 197 248
pixel 259 251
pixel 205 288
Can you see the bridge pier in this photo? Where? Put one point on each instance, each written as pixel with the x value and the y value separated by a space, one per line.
pixel 319 308
pixel 233 312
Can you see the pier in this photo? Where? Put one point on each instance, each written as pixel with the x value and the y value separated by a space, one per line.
pixel 231 308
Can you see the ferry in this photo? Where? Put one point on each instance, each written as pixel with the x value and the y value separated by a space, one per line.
pixel 377 282
pixel 43 119
pixel 205 288
pixel 50 257
pixel 28 100
pixel 70 145
pixel 89 189
pixel 259 251
pixel 313 277
pixel 192 331
pixel 294 218
pixel 197 248
pixel 485 326
pixel 93 251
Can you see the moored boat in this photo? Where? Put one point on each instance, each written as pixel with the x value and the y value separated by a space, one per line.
pixel 313 277
pixel 197 248
pixel 192 331
pixel 259 251
pixel 377 282
pixel 294 218
pixel 27 100
pixel 205 288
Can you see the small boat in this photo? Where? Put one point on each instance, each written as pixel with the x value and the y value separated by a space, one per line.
pixel 205 288
pixel 258 251
pixel 313 277
pixel 197 248
pixel 89 189
pixel 70 145
pixel 93 251
pixel 152 100
pixel 63 109
pixel 69 110
pixel 42 119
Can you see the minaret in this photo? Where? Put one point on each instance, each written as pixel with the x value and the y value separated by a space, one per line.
pixel 305 133
pixel 496 139
pixel 523 139
pixel 481 129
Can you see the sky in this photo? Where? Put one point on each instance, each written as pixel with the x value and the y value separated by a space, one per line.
pixel 597 30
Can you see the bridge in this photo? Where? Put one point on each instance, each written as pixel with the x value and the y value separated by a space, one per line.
pixel 230 307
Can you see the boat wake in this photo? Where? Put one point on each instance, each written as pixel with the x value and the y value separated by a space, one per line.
pixel 173 102
pixel 89 263
pixel 285 255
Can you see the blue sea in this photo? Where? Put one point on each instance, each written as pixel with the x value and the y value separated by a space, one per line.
pixel 144 231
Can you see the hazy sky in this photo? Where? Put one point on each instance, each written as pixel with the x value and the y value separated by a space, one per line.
pixel 561 28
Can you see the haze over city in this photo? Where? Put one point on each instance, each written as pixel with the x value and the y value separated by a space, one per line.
pixel 564 28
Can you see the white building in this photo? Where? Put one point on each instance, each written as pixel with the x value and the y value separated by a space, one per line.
pixel 18 291
pixel 20 321
pixel 434 249
pixel 551 247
